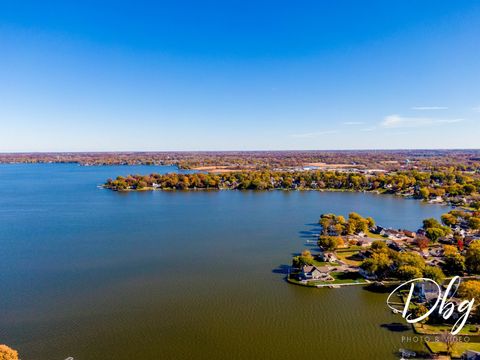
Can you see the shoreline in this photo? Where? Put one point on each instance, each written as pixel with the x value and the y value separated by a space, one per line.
pixel 331 285
pixel 376 192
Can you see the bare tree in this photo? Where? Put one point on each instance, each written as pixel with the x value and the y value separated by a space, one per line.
pixel 449 341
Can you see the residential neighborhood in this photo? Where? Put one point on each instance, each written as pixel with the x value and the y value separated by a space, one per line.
pixel 355 250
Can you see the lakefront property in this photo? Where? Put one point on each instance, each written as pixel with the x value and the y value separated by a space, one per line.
pixel 356 251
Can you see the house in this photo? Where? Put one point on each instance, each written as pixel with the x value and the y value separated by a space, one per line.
pixel 393 234
pixel 410 234
pixel 436 251
pixel 364 254
pixel 471 355
pixel 365 242
pixel 435 262
pixel 327 257
pixel 395 245
pixel 420 238
pixel 311 272
pixel 467 240
pixel 458 230
pixel 378 230
pixel 367 275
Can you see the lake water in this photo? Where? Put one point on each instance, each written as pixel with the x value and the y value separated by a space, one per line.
pixel 96 274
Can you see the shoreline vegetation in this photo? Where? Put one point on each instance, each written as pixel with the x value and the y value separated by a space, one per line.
pixel 446 186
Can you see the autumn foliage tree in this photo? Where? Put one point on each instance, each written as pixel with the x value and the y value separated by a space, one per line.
pixel 419 311
pixel 472 258
pixel 7 353
pixel 422 243
pixel 305 258
pixel 330 242
pixel 469 289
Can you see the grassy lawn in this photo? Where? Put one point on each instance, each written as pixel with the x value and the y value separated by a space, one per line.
pixel 346 256
pixel 428 329
pixel 340 278
pixel 324 263
pixel 458 348
pixel 349 249
pixel 374 236
pixel 343 278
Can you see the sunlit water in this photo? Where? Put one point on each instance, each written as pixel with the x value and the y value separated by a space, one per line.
pixel 96 274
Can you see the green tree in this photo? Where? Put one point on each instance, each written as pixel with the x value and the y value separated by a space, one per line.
pixel 424 193
pixel 434 273
pixel 472 258
pixel 449 219
pixel 454 264
pixel 431 223
pixel 357 223
pixel 379 246
pixel 468 189
pixel 305 258
pixel 408 272
pixel 379 264
pixel 410 259
pixel 434 233
pixel 371 222
pixel 474 223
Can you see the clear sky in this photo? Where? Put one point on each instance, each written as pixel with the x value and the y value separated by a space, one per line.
pixel 239 75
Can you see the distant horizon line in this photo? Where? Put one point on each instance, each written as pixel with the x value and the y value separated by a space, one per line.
pixel 233 151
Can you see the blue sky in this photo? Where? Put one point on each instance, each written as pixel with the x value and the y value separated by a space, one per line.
pixel 239 75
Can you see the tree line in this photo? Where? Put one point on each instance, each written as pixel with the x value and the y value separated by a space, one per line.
pixel 453 186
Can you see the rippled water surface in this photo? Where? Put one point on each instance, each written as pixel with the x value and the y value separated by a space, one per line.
pixel 95 274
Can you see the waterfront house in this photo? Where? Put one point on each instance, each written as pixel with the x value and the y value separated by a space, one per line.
pixel 327 257
pixel 367 275
pixel 378 230
pixel 311 272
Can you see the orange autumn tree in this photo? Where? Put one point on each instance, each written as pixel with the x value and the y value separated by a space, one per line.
pixel 7 353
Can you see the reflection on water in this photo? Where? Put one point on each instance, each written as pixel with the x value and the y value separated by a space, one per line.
pixel 94 274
